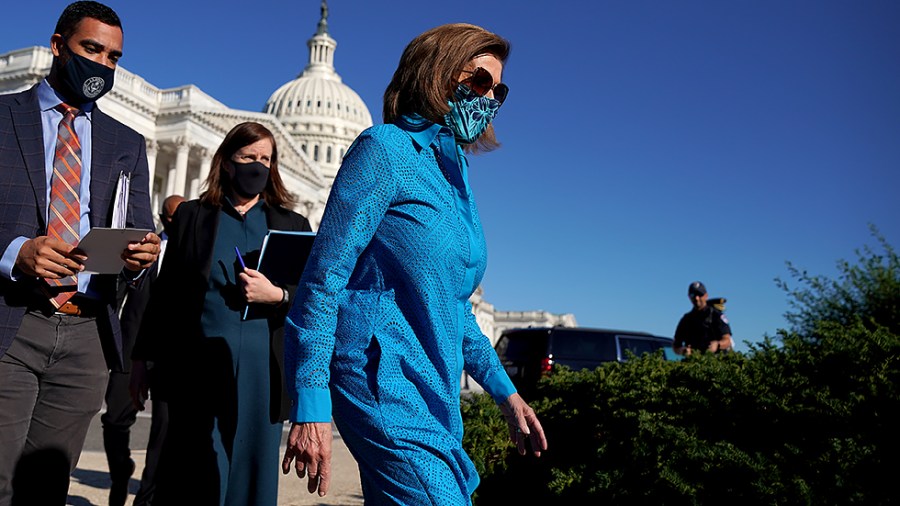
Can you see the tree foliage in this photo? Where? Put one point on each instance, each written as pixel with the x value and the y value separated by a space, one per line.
pixel 869 289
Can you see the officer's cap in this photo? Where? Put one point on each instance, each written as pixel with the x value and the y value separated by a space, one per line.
pixel 696 288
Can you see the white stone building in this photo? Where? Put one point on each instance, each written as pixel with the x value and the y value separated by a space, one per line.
pixel 314 117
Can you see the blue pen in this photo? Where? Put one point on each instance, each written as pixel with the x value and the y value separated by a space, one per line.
pixel 240 258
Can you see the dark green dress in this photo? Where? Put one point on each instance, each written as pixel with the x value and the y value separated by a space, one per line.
pixel 244 438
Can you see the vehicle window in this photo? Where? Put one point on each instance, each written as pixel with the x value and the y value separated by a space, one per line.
pixel 671 355
pixel 638 346
pixel 585 345
pixel 519 345
pixel 502 345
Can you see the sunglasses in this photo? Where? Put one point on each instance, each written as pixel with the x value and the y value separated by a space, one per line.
pixel 481 82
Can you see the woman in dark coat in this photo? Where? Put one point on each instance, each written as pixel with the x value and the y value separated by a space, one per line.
pixel 222 375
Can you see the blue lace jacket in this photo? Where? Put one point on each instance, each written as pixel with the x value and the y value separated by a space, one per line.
pixel 382 319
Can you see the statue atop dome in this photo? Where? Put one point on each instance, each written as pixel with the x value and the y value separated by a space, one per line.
pixel 323 22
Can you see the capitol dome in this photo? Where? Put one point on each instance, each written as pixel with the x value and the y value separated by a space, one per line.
pixel 323 114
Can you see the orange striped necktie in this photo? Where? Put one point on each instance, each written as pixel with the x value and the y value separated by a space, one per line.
pixel 65 187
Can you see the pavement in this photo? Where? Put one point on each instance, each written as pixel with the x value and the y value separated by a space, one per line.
pixel 89 485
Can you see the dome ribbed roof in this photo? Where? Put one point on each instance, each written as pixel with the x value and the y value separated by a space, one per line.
pixel 317 95
pixel 311 98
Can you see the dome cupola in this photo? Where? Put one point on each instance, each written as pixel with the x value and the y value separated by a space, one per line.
pixel 322 113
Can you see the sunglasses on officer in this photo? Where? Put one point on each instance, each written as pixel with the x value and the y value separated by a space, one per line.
pixel 481 82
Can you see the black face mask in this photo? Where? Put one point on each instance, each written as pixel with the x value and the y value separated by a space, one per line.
pixel 248 179
pixel 84 80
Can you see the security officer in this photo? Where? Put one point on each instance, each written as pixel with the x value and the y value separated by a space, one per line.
pixel 702 328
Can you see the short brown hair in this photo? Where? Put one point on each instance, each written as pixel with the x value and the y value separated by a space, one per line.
pixel 218 183
pixel 426 75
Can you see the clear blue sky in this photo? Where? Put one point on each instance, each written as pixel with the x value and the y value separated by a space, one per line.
pixel 646 143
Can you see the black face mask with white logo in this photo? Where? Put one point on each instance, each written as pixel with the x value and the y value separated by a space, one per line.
pixel 84 80
pixel 248 179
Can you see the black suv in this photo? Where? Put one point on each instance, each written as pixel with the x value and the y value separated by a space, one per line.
pixel 528 354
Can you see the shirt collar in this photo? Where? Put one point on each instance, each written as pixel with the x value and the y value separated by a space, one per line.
pixel 48 98
pixel 422 131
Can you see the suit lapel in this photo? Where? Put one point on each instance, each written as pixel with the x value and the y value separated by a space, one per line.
pixel 103 158
pixel 26 117
pixel 276 220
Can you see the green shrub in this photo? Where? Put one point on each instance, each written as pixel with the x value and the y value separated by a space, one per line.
pixel 799 424
pixel 488 440
pixel 809 419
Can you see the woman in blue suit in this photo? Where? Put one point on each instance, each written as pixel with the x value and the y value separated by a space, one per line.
pixel 382 328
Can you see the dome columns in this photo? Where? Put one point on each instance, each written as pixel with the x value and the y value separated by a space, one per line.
pixel 321 54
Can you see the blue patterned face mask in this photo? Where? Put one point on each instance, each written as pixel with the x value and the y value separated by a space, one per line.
pixel 470 114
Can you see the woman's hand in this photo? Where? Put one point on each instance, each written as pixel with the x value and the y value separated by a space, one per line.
pixel 310 444
pixel 523 423
pixel 257 288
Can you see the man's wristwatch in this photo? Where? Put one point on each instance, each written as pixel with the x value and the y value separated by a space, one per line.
pixel 285 297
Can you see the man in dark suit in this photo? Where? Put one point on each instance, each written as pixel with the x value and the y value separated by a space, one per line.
pixel 121 411
pixel 61 159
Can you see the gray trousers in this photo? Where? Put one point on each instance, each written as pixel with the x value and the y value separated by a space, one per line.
pixel 52 381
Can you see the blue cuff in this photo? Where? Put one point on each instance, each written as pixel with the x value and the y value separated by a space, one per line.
pixel 499 386
pixel 8 260
pixel 311 405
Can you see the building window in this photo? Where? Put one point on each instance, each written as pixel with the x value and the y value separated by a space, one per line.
pixel 316 152
pixel 303 147
pixel 319 104
pixel 328 155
